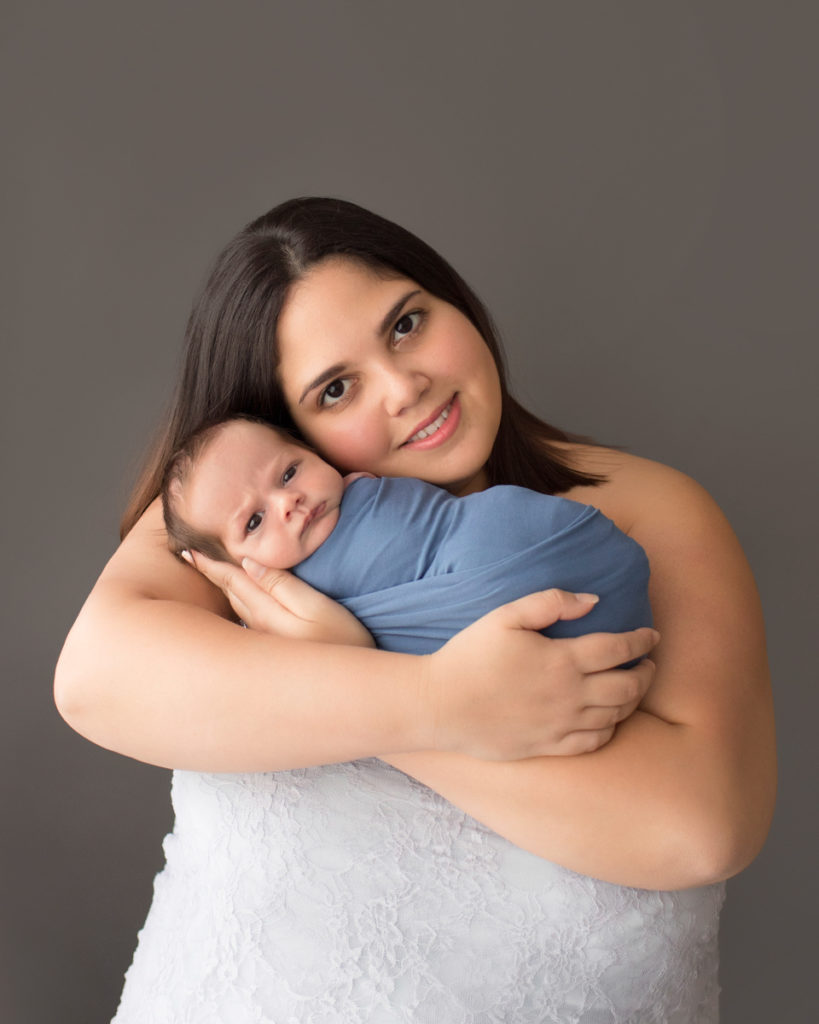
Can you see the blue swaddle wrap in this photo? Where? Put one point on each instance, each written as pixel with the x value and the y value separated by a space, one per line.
pixel 416 565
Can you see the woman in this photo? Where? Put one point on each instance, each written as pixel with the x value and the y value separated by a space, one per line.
pixel 351 892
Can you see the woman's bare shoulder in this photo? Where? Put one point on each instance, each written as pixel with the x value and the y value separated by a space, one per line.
pixel 617 465
pixel 636 491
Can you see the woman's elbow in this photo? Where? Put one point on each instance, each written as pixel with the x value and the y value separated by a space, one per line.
pixel 725 841
pixel 720 857
pixel 76 675
pixel 69 690
pixel 725 807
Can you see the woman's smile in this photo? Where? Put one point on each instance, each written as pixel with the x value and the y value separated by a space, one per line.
pixel 384 377
pixel 432 433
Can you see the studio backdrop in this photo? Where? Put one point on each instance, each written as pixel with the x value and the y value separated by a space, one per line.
pixel 630 187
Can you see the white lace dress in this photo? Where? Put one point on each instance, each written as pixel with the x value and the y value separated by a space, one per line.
pixel 351 893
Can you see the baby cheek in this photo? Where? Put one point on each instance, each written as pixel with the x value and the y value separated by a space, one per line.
pixel 278 553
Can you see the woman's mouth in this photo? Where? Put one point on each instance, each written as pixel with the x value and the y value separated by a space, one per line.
pixel 438 429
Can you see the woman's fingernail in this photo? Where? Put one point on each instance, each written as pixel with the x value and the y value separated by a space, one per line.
pixel 593 598
pixel 253 569
pixel 188 557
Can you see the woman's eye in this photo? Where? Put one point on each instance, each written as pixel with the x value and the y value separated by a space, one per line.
pixel 335 391
pixel 288 474
pixel 254 522
pixel 406 325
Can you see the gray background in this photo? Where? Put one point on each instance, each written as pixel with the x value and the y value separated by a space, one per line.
pixel 630 186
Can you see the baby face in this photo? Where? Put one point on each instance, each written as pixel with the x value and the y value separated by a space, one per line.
pixel 263 496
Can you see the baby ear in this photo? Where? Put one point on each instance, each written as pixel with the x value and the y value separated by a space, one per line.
pixel 350 477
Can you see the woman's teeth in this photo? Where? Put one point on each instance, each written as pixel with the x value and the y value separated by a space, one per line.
pixel 431 427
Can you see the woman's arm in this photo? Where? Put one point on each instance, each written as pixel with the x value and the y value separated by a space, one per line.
pixel 684 793
pixel 154 668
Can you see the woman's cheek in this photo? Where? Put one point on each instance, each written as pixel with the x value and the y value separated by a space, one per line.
pixel 350 447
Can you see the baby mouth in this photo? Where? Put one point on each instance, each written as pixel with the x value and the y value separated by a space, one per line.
pixel 430 428
pixel 311 516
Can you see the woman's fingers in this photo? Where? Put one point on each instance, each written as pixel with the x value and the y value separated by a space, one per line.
pixel 253 584
pixel 252 599
pixel 541 609
pixel 618 688
pixel 597 652
pixel 288 591
pixel 219 573
pixel 594 652
pixel 619 694
pixel 276 601
pixel 256 603
pixel 619 702
pixel 583 741
pixel 554 696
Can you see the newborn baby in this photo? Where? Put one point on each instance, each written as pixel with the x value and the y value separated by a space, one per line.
pixel 414 563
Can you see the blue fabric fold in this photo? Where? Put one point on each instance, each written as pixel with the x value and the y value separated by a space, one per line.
pixel 416 565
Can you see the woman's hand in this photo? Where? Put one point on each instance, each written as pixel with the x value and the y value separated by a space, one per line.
pixel 276 601
pixel 498 690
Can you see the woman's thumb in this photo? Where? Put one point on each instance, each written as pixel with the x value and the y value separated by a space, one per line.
pixel 268 579
pixel 254 569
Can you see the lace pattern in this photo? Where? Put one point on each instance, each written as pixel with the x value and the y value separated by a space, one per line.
pixel 352 893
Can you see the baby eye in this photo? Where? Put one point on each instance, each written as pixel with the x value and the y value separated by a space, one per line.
pixel 254 522
pixel 407 324
pixel 335 392
pixel 289 473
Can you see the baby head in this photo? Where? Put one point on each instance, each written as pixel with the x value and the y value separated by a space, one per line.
pixel 241 489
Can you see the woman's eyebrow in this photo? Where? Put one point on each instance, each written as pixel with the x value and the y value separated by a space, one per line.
pixel 338 368
pixel 326 375
pixel 386 323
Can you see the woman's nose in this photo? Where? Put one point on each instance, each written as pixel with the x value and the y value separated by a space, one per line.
pixel 403 388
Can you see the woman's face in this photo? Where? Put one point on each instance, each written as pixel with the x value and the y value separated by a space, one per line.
pixel 382 376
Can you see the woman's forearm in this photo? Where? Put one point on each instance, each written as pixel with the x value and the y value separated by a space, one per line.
pixel 177 686
pixel 662 806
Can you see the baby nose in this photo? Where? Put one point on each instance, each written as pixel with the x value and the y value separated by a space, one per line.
pixel 290 502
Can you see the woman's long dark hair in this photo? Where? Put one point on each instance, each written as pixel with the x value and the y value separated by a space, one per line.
pixel 231 351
